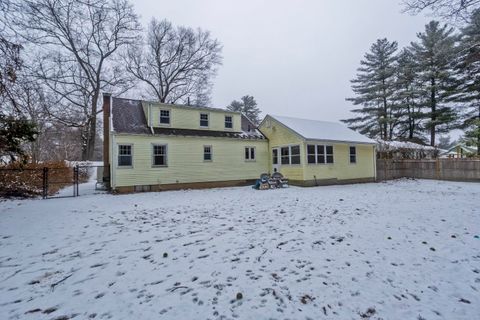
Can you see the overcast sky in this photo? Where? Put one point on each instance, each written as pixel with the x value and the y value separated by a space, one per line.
pixel 296 57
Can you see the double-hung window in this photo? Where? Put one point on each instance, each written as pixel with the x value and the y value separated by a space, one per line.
pixel 319 154
pixel 290 155
pixel 125 155
pixel 353 154
pixel 249 153
pixel 275 156
pixel 164 116
pixel 204 120
pixel 329 154
pixel 311 155
pixel 285 155
pixel 294 154
pixel 228 122
pixel 159 155
pixel 207 153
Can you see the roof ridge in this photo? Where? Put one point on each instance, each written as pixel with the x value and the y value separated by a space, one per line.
pixel 296 118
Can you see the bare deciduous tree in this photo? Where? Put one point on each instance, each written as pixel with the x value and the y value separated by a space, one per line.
pixel 76 54
pixel 450 9
pixel 175 64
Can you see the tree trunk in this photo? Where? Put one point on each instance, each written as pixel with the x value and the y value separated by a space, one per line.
pixel 91 138
pixel 433 116
pixel 385 111
pixel 478 131
pixel 85 143
pixel 410 123
pixel 92 129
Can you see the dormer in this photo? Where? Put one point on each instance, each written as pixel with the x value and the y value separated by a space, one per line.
pixel 161 115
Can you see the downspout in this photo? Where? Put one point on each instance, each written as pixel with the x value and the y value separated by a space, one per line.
pixel 375 162
pixel 113 158
pixel 113 163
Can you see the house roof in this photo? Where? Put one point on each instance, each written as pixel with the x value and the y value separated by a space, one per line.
pixel 397 145
pixel 464 148
pixel 322 130
pixel 128 117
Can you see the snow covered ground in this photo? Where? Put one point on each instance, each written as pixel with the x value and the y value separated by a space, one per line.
pixel 397 250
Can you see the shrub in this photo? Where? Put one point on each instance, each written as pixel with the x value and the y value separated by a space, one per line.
pixel 26 180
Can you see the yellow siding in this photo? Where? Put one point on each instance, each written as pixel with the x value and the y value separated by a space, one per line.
pixel 278 135
pixel 342 169
pixel 189 117
pixel 185 160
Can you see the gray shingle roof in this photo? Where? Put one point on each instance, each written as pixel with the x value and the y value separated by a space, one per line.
pixel 128 116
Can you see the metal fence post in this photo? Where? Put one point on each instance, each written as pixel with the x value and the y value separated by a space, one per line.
pixel 45 182
pixel 77 180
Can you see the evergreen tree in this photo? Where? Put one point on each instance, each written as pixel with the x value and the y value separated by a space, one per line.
pixel 408 97
pixel 374 87
pixel 248 106
pixel 14 132
pixel 14 129
pixel 468 89
pixel 434 53
pixel 445 142
pixel 236 106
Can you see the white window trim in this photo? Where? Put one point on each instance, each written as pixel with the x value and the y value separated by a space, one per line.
pixel 225 121
pixel 211 153
pixel 118 155
pixel 166 155
pixel 278 156
pixel 160 116
pixel 316 153
pixel 200 118
pixel 332 154
pixel 290 155
pixel 349 155
pixel 249 153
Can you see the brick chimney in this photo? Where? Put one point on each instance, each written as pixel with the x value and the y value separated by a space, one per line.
pixel 106 138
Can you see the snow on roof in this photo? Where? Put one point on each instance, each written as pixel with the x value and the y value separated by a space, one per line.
pixel 465 148
pixel 395 145
pixel 322 130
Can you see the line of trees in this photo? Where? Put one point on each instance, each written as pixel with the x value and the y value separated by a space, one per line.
pixel 425 89
pixel 68 52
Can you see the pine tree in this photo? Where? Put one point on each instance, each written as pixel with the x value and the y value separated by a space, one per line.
pixel 14 132
pixel 248 106
pixel 236 106
pixel 434 53
pixel 468 90
pixel 408 97
pixel 374 88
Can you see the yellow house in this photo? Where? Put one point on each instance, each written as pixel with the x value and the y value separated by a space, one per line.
pixel 150 146
pixel 311 152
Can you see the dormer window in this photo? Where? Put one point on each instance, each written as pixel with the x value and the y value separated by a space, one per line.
pixel 204 120
pixel 164 116
pixel 228 122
